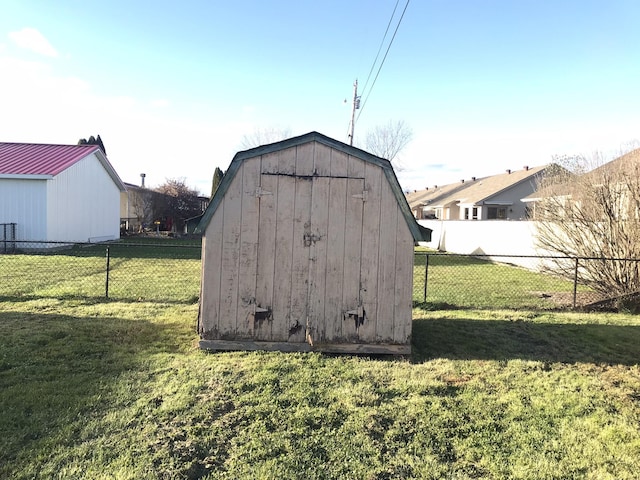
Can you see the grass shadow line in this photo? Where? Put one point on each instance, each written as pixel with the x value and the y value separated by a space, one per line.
pixel 468 339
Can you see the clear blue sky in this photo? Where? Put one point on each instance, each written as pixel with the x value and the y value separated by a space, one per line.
pixel 172 87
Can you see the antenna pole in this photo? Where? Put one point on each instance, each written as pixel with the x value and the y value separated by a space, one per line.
pixel 356 105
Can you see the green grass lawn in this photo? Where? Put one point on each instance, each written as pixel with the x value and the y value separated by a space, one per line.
pixel 464 281
pixel 118 390
pixel 140 269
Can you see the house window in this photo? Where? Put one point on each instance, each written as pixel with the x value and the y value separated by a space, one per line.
pixel 496 213
pixel 466 213
pixel 474 213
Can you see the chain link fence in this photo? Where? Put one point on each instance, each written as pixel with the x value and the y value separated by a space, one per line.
pixel 166 271
pixel 449 280
pixel 169 270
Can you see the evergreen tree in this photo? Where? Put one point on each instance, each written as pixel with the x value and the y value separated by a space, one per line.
pixel 93 141
pixel 217 178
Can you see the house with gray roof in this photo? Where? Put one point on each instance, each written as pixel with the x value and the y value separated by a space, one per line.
pixel 496 197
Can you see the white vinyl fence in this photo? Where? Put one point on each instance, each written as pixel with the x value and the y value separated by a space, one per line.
pixel 491 237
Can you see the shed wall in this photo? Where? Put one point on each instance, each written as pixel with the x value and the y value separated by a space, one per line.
pixel 358 252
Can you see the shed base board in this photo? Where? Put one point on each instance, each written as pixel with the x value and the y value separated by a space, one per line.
pixel 375 348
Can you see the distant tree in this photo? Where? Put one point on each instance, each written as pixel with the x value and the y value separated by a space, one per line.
pixel 179 203
pixel 93 141
pixel 143 203
pixel 263 136
pixel 217 178
pixel 387 141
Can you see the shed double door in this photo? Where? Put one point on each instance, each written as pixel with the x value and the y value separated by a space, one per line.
pixel 309 257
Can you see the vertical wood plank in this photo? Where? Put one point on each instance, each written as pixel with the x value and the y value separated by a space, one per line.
pixel 373 223
pixel 322 160
pixel 335 258
pixel 300 259
pixel 285 203
pixel 318 250
pixel 404 283
pixel 353 245
pixel 247 264
pixel 305 159
pixel 386 265
pixel 266 243
pixel 336 226
pixel 211 276
pixel 230 258
pixel 339 164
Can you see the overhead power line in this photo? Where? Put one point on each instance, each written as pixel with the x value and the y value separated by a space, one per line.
pixel 384 37
pixel 364 103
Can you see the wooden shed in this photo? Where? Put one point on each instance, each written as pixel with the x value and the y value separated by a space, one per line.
pixel 308 245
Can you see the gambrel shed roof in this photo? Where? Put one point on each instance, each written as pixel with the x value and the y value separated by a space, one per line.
pixel 419 232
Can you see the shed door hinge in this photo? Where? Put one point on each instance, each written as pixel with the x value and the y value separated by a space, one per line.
pixel 362 195
pixel 260 313
pixel 260 192
pixel 358 315
pixel 310 239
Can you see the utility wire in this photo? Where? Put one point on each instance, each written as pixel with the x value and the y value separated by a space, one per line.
pixel 364 89
pixel 384 37
pixel 383 60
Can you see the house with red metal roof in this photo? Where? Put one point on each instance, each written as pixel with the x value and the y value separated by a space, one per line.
pixel 58 193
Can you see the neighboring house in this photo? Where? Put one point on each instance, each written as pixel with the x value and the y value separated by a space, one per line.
pixel 497 197
pixel 61 193
pixel 423 202
pixel 145 209
pixel 139 207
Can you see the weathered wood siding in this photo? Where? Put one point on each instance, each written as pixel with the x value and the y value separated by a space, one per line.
pixel 308 244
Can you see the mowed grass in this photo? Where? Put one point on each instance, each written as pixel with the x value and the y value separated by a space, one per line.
pixel 108 390
pixel 117 389
pixel 140 269
pixel 471 282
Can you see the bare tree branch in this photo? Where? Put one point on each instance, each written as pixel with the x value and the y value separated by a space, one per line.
pixel 592 209
pixel 388 141
pixel 263 136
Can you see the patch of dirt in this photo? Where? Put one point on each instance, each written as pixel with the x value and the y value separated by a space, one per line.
pixel 565 299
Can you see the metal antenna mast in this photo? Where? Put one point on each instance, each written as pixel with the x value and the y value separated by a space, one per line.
pixel 356 106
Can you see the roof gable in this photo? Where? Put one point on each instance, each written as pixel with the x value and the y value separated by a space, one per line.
pixel 433 195
pixel 480 190
pixel 240 157
pixel 47 160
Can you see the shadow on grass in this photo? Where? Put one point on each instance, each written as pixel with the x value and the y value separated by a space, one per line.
pixel 467 339
pixel 56 369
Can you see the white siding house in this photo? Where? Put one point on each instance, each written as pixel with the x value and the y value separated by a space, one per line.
pixel 59 193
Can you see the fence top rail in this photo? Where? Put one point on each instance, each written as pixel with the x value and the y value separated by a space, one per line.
pixel 106 244
pixel 553 257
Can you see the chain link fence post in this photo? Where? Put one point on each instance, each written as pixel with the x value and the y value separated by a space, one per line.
pixel 426 277
pixel 575 285
pixel 106 286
